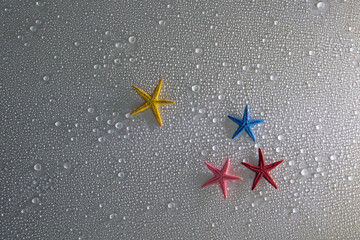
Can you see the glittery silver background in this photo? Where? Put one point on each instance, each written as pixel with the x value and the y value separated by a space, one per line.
pixel 75 165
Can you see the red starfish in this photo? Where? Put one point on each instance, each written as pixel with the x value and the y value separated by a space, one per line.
pixel 262 170
pixel 220 176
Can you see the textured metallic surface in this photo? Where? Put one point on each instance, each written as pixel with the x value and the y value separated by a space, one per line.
pixel 76 165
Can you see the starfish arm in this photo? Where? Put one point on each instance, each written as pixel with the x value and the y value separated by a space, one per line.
pixel 238 131
pixel 251 167
pixel 225 167
pixel 273 165
pixel 223 188
pixel 255 122
pixel 261 158
pixel 269 179
pixel 259 175
pixel 246 114
pixel 141 108
pixel 212 168
pixel 162 102
pixel 157 90
pixel 232 177
pixel 250 132
pixel 156 112
pixel 236 120
pixel 142 93
pixel 211 182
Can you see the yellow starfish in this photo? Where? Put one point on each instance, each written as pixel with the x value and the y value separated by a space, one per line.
pixel 152 102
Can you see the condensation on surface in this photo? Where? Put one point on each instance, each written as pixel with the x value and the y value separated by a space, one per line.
pixel 76 165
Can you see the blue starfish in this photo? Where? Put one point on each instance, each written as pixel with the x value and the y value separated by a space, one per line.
pixel 245 124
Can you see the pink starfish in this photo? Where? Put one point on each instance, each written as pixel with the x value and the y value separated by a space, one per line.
pixel 220 176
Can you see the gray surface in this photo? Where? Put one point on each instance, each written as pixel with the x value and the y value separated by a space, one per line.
pixel 296 63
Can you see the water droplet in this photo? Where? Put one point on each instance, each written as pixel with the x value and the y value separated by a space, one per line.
pixel 77 44
pixel 162 22
pixel 132 39
pixel 101 139
pixel 58 124
pixel 198 50
pixel 281 137
pixel 90 110
pixel 304 172
pixel 295 210
pixel 221 97
pixel 118 125
pixel 66 165
pixel 33 28
pixel 171 205
pixel 35 200
pixel 201 110
pixel 195 88
pixel 46 78
pixel 37 167
pixel 292 163
pixel 321 5
pixel 350 178
pixel 112 216
pixel 311 53
pixel 215 120
pixel 121 174
pixel 333 157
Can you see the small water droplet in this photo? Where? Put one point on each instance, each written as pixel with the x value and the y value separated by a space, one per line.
pixel 304 172
pixel 66 165
pixel 198 50
pixel 90 110
pixel 58 124
pixel 321 5
pixel 195 88
pixel 121 174
pixel 171 205
pixel 132 39
pixel 118 125
pixel 37 167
